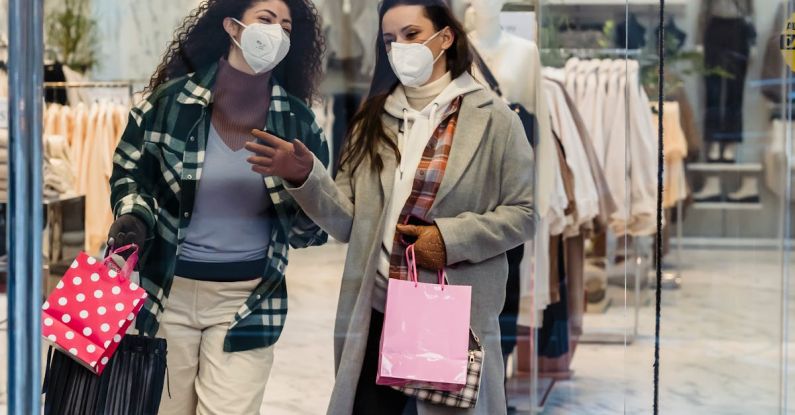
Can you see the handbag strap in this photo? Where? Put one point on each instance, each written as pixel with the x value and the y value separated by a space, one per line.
pixel 45 384
pixel 488 76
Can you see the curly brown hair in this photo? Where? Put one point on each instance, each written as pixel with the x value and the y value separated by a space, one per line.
pixel 201 41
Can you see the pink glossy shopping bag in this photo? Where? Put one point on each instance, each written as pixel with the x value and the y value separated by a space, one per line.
pixel 425 342
pixel 90 310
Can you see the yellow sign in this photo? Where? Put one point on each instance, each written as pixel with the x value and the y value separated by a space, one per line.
pixel 787 43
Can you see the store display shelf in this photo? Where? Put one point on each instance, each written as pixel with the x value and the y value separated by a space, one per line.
pixel 621 3
pixel 726 206
pixel 726 167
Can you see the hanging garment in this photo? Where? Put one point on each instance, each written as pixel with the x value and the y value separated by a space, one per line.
pixel 509 316
pixel 607 205
pixel 553 337
pixel 99 145
pixel 617 171
pixel 630 34
pixel 570 77
pixel 643 149
pixel 77 144
pixel 574 254
pixel 777 170
pixel 344 108
pixel 586 195
pixel 675 181
pixel 726 46
pixel 55 73
pixel 687 118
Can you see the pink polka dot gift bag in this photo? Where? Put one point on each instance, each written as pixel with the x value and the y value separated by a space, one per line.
pixel 89 312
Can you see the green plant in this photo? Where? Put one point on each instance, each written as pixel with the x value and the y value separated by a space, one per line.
pixel 73 34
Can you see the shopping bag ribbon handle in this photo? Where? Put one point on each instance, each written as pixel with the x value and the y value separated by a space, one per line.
pixel 411 259
pixel 129 265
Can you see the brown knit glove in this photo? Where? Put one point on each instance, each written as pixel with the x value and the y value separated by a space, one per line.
pixel 429 249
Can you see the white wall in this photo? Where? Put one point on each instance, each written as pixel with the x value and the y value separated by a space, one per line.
pixel 134 34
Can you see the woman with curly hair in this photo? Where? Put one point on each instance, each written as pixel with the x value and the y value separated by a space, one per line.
pixel 215 235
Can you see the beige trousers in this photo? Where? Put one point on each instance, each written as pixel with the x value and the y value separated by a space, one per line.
pixel 204 379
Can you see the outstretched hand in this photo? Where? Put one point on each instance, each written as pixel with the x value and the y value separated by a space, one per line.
pixel 292 161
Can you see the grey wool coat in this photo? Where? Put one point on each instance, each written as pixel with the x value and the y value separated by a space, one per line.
pixel 484 208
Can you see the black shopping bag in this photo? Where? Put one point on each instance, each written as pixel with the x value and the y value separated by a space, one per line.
pixel 132 383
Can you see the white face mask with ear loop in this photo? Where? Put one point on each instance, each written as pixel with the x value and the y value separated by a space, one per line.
pixel 264 46
pixel 413 62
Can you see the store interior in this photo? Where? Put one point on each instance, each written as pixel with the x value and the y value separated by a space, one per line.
pixel 582 302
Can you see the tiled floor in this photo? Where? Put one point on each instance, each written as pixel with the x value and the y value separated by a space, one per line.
pixel 721 349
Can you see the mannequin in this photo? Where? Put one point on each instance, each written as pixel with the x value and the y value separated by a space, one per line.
pixel 727 39
pixel 504 53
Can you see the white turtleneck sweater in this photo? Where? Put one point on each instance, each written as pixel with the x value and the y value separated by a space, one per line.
pixel 420 97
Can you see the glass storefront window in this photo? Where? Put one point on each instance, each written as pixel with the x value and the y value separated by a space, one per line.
pixel 145 133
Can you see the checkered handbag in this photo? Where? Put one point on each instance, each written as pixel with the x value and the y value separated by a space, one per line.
pixel 467 398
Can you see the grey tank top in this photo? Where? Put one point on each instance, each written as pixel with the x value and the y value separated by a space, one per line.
pixel 233 214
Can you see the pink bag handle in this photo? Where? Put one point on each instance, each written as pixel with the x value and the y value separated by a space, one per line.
pixel 411 259
pixel 129 265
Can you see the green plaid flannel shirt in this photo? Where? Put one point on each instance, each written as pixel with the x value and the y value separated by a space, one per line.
pixel 156 170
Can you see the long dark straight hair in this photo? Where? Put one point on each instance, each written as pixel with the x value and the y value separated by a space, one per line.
pixel 201 40
pixel 366 132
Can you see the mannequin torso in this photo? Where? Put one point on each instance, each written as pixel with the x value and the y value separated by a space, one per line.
pixel 503 58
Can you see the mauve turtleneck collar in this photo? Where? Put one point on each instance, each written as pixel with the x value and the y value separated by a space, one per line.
pixel 240 103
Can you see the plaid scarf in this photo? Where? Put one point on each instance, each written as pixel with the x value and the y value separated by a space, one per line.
pixel 427 180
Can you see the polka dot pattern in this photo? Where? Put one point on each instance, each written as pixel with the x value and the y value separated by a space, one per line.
pixel 90 308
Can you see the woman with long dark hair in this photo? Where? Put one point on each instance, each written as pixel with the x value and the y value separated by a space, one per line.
pixel 215 234
pixel 432 148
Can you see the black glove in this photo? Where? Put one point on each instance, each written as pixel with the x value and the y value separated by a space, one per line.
pixel 127 229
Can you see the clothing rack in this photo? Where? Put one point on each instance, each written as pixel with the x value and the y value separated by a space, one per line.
pixel 107 84
pixel 585 53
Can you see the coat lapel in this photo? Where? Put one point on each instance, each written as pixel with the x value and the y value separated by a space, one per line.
pixel 473 120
